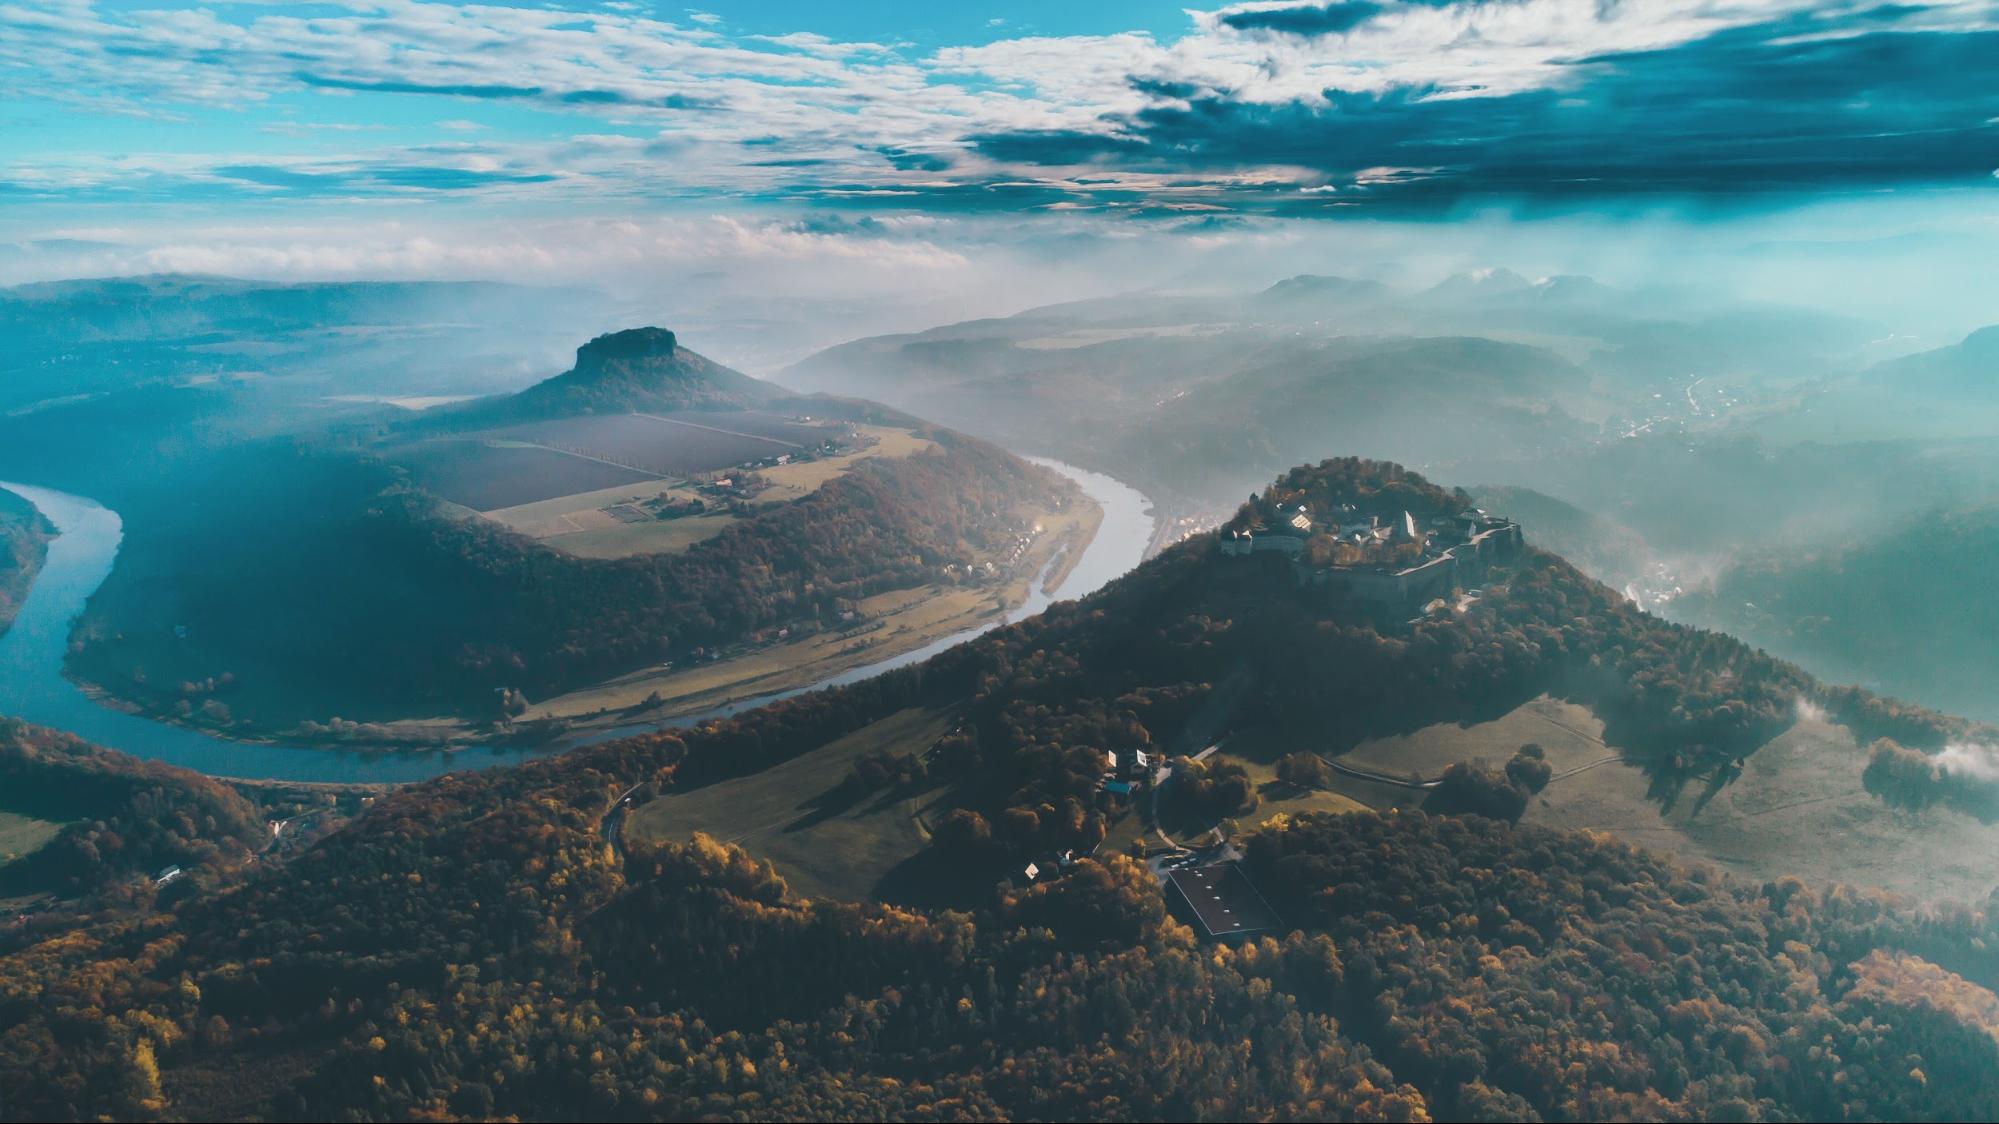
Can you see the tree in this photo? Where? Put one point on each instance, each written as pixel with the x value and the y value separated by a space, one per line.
pixel 1467 789
pixel 1304 769
pixel 1530 769
pixel 963 833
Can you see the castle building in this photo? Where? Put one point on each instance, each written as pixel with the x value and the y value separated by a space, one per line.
pixel 1451 553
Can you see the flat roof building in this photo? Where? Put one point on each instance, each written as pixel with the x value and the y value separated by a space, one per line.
pixel 1221 900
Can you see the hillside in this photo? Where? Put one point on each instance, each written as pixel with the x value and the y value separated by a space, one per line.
pixel 1909 608
pixel 1441 401
pixel 457 569
pixel 1940 393
pixel 111 818
pixel 1199 398
pixel 471 947
pixel 1964 371
pixel 1610 553
pixel 24 540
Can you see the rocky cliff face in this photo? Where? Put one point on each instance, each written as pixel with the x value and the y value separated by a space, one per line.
pixel 623 349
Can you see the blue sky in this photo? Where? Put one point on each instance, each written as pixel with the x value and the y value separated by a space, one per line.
pixel 126 115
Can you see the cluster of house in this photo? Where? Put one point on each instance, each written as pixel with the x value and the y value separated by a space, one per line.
pixel 1402 562
pixel 1125 773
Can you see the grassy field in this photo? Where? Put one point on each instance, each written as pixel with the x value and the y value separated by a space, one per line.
pixel 579 524
pixel 661 536
pixel 22 835
pixel 791 813
pixel 1274 798
pixel 1281 799
pixel 1570 735
pixel 1798 808
pixel 791 481
pixel 582 511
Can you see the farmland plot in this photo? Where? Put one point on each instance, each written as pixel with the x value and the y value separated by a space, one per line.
pixel 484 475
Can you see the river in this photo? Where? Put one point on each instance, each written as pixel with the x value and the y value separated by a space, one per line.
pixel 34 689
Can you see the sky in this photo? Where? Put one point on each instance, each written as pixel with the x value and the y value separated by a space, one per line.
pixel 903 139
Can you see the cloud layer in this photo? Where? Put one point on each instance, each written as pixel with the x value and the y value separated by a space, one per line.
pixel 1284 108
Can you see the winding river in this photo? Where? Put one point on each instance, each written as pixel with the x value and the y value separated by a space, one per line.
pixel 34 689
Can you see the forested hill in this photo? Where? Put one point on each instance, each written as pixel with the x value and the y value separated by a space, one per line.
pixel 121 817
pixel 24 541
pixel 474 947
pixel 353 590
pixel 636 369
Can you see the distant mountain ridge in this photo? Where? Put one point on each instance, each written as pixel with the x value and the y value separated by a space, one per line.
pixel 158 306
pixel 1970 365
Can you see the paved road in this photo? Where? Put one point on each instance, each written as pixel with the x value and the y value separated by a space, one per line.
pixel 1378 778
pixel 611 824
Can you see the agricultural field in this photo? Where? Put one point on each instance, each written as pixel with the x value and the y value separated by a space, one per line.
pixel 823 841
pixel 481 474
pixel 590 486
pixel 662 444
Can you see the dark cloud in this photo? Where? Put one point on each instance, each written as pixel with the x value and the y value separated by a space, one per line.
pixel 1056 146
pixel 1309 20
pixel 905 160
pixel 968 198
pixel 1779 107
pixel 1313 20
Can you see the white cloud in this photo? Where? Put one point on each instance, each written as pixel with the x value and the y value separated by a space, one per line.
pixel 777 114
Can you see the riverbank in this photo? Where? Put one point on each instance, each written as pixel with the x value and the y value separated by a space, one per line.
pixel 899 622
pixel 25 534
pixel 1078 557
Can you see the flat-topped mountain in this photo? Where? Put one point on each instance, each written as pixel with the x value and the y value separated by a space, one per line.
pixel 637 369
pixel 586 544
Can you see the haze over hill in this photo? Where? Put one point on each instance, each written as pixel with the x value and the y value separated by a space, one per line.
pixel 1485 374
pixel 296 342
pixel 591 491
pixel 1662 417
pixel 1008 769
pixel 420 579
